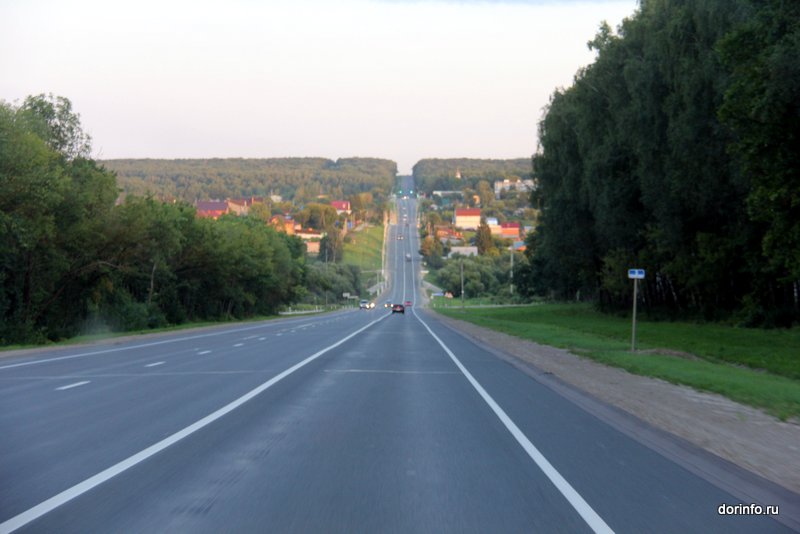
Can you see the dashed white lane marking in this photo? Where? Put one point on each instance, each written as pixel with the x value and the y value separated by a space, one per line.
pixel 75 385
pixel 22 519
pixel 203 352
pixel 155 364
pixel 262 338
pixel 238 344
pixel 131 347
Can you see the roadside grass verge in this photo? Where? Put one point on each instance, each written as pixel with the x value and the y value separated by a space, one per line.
pixel 760 368
pixel 362 248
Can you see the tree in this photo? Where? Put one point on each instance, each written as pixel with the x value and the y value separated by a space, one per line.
pixel 484 240
pixel 51 118
pixel 762 106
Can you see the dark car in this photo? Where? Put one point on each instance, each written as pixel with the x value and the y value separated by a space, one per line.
pixel 398 308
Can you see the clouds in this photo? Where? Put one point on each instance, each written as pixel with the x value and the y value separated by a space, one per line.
pixel 402 80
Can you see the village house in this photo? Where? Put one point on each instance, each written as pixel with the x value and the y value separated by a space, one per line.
pixel 241 206
pixel 510 230
pixel 341 206
pixel 447 234
pixel 463 251
pixel 211 209
pixel 283 223
pixel 522 186
pixel 312 248
pixel 467 218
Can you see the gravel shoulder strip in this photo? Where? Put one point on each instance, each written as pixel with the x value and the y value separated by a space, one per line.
pixel 740 434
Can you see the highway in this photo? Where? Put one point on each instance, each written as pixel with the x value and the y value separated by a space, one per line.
pixel 355 421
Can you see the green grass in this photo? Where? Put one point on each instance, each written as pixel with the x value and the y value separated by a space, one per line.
pixel 364 248
pixel 757 367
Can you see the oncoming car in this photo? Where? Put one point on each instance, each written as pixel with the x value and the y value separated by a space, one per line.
pixel 366 305
pixel 398 308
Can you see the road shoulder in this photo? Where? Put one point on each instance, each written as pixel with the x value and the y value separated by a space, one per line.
pixel 676 420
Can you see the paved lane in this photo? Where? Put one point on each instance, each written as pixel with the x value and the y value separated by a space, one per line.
pixel 360 421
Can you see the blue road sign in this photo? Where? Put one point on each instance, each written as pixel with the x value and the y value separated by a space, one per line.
pixel 636 273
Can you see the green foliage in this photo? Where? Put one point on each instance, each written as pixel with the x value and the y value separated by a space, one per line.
pixel 675 151
pixel 51 119
pixel 440 174
pixel 72 261
pixel 484 276
pixel 432 250
pixel 300 179
pixel 762 106
pixel 327 282
pixel 484 240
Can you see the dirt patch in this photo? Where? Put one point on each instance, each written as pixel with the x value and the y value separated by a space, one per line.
pixel 746 436
pixel 670 352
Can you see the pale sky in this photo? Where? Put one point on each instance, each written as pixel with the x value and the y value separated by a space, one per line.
pixel 396 79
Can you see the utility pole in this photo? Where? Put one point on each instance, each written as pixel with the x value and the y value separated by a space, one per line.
pixel 462 283
pixel 511 278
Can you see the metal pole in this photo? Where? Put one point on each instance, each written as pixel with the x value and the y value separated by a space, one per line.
pixel 462 283
pixel 511 278
pixel 633 329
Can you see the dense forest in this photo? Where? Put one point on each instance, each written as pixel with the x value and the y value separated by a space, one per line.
pixel 298 179
pixel 676 151
pixel 440 174
pixel 73 260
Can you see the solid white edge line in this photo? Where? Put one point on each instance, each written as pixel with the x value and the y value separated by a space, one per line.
pixel 588 514
pixel 76 384
pixel 131 347
pixel 67 495
pixel 155 364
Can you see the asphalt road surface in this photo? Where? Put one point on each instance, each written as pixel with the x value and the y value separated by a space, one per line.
pixel 356 421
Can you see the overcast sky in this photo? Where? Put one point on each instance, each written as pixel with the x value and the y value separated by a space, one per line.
pixel 395 79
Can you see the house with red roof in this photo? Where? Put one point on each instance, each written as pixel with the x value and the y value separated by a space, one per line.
pixel 212 209
pixel 341 206
pixel 467 218
pixel 510 230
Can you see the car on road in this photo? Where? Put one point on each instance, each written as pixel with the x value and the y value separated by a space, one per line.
pixel 366 305
pixel 408 304
pixel 398 308
pixel 400 237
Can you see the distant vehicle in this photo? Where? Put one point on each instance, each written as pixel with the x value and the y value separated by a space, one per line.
pixel 408 304
pixel 400 237
pixel 387 304
pixel 398 308
pixel 408 257
pixel 366 305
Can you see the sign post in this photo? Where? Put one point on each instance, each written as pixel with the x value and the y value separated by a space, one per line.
pixel 635 275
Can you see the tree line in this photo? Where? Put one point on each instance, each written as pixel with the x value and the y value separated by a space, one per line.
pixel 300 180
pixel 676 151
pixel 73 260
pixel 440 174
